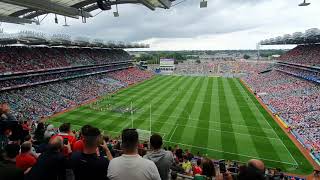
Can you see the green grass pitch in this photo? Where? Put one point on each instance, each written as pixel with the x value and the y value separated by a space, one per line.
pixel 217 117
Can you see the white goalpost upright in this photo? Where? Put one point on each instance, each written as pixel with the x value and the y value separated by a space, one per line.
pixel 150 120
pixel 131 116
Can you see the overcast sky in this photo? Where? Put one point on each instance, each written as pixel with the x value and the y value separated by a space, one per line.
pixel 225 24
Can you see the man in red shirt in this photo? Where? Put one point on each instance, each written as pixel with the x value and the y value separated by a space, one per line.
pixel 79 145
pixel 25 159
pixel 65 133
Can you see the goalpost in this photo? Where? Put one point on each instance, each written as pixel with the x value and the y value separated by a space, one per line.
pixel 144 135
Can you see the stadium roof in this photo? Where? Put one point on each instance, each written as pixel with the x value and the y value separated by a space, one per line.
pixel 30 38
pixel 310 36
pixel 24 11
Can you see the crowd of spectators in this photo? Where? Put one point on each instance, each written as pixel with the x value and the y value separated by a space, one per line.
pixel 36 102
pixel 229 68
pixel 303 54
pixel 40 151
pixel 19 59
pixel 131 76
pixel 294 96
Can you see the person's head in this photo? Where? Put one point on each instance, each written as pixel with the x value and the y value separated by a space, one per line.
pixel 26 147
pixel 255 169
pixel 208 168
pixel 4 108
pixel 7 131
pixel 156 141
pixel 84 129
pixel 28 138
pixel 198 162
pixel 40 126
pixel 56 144
pixel 130 140
pixel 185 158
pixel 50 127
pixel 65 128
pixel 92 137
pixel 11 151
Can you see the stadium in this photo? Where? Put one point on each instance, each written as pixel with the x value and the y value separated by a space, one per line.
pixel 76 107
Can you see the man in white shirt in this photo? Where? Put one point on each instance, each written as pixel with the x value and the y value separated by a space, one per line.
pixel 131 165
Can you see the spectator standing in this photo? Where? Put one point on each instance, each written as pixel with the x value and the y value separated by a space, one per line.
pixel 186 165
pixel 25 159
pixel 65 133
pixel 253 170
pixel 131 165
pixel 163 159
pixel 8 169
pixel 197 168
pixel 79 144
pixel 87 164
pixel 51 165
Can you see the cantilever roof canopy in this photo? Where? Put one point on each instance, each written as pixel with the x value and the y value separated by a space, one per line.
pixel 23 11
pixel 30 38
pixel 311 36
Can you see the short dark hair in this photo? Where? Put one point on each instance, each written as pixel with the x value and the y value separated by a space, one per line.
pixel 199 162
pixel 65 127
pixel 26 147
pixel 156 141
pixel 130 139
pixel 12 150
pixel 84 129
pixel 27 137
pixel 208 168
pixel 91 137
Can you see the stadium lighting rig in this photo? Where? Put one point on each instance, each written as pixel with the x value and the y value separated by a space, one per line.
pixel 203 4
pixel 304 3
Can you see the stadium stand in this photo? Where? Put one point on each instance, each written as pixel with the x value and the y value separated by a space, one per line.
pixel 303 54
pixel 291 91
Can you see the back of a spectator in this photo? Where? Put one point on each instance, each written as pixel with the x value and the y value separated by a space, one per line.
pixel 163 159
pixel 87 164
pixel 131 165
pixel 51 165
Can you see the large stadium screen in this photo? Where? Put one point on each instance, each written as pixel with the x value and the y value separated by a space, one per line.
pixel 166 62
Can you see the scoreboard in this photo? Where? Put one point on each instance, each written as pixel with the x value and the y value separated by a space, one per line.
pixel 166 62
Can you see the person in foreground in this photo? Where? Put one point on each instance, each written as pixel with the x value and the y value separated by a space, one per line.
pixel 51 165
pixel 253 170
pixel 87 164
pixel 131 165
pixel 163 159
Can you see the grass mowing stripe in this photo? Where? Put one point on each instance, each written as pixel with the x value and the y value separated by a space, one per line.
pixel 201 136
pixel 141 85
pixel 304 165
pixel 188 108
pixel 249 117
pixel 137 95
pixel 170 109
pixel 164 95
pixel 115 122
pixel 176 108
pixel 228 141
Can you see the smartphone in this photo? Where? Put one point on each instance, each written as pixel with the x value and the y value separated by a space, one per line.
pixel 222 167
pixel 65 141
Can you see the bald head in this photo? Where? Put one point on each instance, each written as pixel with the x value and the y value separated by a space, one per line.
pixel 56 143
pixel 257 164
